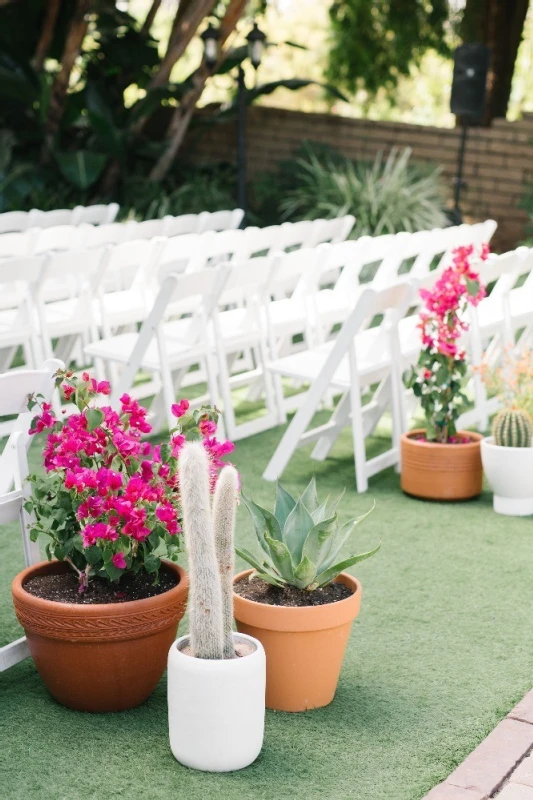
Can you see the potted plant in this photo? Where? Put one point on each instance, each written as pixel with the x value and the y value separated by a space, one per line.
pixel 297 600
pixel 439 462
pixel 100 615
pixel 507 455
pixel 216 678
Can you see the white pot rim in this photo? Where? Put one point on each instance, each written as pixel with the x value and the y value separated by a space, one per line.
pixel 211 665
pixel 488 442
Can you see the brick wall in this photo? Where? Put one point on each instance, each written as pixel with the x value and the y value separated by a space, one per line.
pixel 498 164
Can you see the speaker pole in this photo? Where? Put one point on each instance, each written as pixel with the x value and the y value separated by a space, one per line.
pixel 459 182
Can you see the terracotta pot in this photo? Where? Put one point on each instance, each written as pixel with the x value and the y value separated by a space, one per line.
pixel 106 657
pixel 441 471
pixel 304 646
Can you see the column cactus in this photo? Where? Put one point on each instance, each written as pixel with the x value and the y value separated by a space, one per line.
pixel 209 542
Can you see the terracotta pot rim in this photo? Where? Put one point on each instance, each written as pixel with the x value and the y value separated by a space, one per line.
pixel 303 618
pixel 476 438
pixel 94 609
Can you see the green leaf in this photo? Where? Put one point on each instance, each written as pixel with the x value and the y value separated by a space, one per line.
pixel 284 505
pixel 81 168
pixel 317 539
pixel 305 573
pixel 297 527
pixel 94 418
pixel 328 575
pixel 264 571
pixel 293 84
pixel 152 563
pixel 263 521
pixel 34 534
pixel 113 572
pixel 309 497
pixel 336 545
pixel 472 287
pixel 93 554
pixel 281 558
pixel 332 507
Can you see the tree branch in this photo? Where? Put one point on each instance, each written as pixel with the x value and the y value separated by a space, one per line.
pixel 148 22
pixel 47 33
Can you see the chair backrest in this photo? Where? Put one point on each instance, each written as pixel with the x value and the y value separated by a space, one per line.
pixel 50 219
pixel 16 244
pixel 223 246
pixel 338 257
pixel 296 234
pixel 332 230
pixel 129 263
pixel 369 261
pixel 148 229
pixel 252 278
pixel 20 279
pixel 101 214
pixel 296 274
pixel 68 272
pixel 184 253
pixel 262 241
pixel 62 237
pixel 111 233
pixel 178 226
pixel 221 220
pixel 14 221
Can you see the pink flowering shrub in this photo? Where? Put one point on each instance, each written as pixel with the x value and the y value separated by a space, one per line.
pixel 439 375
pixel 109 501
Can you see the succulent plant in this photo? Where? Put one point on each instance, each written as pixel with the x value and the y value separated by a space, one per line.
pixel 209 543
pixel 512 427
pixel 301 540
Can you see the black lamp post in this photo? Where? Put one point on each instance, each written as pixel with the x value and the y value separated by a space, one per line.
pixel 256 42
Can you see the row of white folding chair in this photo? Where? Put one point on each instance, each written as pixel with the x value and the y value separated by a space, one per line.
pixel 15 386
pixel 16 221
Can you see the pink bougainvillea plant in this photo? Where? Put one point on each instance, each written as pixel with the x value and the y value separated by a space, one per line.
pixel 110 501
pixel 438 378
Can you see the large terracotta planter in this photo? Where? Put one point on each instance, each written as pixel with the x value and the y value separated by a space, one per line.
pixel 441 471
pixel 304 646
pixel 106 657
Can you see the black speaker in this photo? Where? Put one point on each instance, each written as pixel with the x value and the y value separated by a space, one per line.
pixel 470 67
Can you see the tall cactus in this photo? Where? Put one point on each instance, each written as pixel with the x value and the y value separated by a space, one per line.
pixel 512 427
pixel 224 508
pixel 209 543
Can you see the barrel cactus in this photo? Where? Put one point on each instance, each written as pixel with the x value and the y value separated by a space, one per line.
pixel 512 427
pixel 301 541
pixel 209 536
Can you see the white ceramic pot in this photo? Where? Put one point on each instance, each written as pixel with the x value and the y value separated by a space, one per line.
pixel 216 709
pixel 509 471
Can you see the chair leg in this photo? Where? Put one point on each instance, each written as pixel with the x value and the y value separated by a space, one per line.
pixel 358 433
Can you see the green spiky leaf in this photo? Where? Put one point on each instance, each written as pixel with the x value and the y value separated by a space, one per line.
pixel 263 521
pixel 284 505
pixel 309 497
pixel 297 527
pixel 281 557
pixel 330 574
pixel 305 573
pixel 318 537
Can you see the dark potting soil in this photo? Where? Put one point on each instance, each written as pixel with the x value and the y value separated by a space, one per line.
pixel 262 592
pixel 63 588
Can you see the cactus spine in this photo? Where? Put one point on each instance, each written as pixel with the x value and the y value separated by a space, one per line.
pixel 512 427
pixel 210 560
pixel 224 508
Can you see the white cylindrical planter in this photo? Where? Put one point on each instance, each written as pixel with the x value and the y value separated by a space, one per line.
pixel 216 709
pixel 509 471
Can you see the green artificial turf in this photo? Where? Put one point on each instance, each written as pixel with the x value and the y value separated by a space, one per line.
pixel 440 653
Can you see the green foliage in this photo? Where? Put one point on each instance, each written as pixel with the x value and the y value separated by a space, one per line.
pixel 386 196
pixel 301 541
pixel 438 382
pixel 374 43
pixel 512 427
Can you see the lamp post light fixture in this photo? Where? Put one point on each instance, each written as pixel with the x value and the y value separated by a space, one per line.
pixel 256 44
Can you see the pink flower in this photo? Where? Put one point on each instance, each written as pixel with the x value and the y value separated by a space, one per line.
pixel 207 427
pixel 119 561
pixel 179 409
pixel 68 391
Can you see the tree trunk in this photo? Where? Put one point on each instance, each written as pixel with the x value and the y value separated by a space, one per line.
pixel 73 43
pixel 182 116
pixel 498 24
pixel 149 21
pixel 47 33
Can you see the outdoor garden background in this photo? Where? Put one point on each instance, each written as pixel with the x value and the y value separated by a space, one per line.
pixel 103 101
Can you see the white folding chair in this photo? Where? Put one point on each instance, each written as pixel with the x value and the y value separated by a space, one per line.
pixel 359 358
pixel 262 241
pixel 221 220
pixel 332 230
pixel 167 349
pixel 112 233
pixel 50 219
pixel 102 214
pixel 15 387
pixel 16 245
pixel 183 224
pixel 223 246
pixel 148 229
pixel 239 329
pixel 13 221
pixel 61 237
pixel 184 253
pixel 19 282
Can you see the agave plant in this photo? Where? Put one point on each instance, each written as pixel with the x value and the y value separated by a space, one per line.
pixel 301 540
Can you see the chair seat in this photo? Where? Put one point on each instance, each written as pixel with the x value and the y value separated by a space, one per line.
pixel 66 317
pixel 124 307
pixel 179 352
pixel 288 316
pixel 11 330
